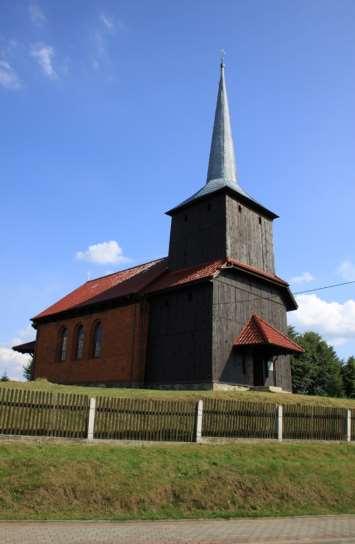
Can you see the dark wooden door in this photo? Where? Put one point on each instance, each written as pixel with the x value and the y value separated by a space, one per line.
pixel 258 367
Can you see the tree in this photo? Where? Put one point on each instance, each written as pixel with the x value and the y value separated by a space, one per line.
pixel 317 371
pixel 28 370
pixel 4 377
pixel 349 377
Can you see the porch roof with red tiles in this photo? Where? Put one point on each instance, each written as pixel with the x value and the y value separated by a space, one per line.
pixel 258 332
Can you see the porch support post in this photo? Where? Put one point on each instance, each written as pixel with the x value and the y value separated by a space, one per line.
pixel 279 422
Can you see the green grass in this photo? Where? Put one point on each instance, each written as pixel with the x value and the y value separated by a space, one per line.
pixel 277 398
pixel 57 480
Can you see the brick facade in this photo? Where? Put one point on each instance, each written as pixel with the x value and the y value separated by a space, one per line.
pixel 123 348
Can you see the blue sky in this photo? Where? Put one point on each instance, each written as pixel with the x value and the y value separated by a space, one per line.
pixel 106 111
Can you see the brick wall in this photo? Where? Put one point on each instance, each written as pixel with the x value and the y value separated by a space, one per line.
pixel 124 333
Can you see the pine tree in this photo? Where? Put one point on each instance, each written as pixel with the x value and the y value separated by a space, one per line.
pixel 317 371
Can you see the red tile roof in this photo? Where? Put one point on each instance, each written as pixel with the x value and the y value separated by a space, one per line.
pixel 146 278
pixel 257 271
pixel 119 284
pixel 174 278
pixel 258 331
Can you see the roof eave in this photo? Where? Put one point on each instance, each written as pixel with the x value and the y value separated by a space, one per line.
pixel 278 350
pixel 27 347
pixel 85 308
pixel 243 199
pixel 180 285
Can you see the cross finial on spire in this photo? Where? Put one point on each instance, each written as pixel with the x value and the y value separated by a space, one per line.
pixel 223 53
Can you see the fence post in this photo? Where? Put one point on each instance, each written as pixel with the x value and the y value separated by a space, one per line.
pixel 199 416
pixel 348 426
pixel 279 423
pixel 52 415
pixel 91 422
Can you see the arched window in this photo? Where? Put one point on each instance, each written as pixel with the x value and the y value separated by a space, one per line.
pixel 79 342
pixel 63 344
pixel 97 340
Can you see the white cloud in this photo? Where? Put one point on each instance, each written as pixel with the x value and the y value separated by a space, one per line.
pixel 36 14
pixel 8 77
pixel 107 22
pixel 44 54
pixel 104 33
pixel 27 334
pixel 103 253
pixel 12 362
pixel 346 269
pixel 333 320
pixel 306 277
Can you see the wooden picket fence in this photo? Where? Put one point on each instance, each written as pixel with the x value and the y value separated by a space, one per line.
pixel 137 419
pixel 37 413
pixel 314 423
pixel 243 419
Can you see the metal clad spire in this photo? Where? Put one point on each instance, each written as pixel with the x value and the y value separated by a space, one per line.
pixel 221 164
pixel 222 172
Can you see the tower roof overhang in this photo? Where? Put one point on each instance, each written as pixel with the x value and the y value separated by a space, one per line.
pixel 220 186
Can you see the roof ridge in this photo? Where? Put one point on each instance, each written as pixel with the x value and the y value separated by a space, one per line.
pixel 256 320
pixel 126 269
pixel 275 329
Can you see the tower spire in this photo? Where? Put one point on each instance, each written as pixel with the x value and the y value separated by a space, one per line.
pixel 221 165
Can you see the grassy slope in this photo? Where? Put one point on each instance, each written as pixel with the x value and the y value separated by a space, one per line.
pixel 41 480
pixel 279 398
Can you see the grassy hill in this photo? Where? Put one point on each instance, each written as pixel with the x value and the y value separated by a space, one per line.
pixel 57 480
pixel 277 398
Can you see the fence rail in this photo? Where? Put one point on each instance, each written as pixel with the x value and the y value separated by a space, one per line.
pixel 37 413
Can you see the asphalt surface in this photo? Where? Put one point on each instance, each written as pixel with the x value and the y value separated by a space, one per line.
pixel 300 530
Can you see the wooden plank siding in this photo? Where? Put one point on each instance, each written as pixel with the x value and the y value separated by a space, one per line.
pixel 198 233
pixel 249 236
pixel 235 298
pixel 180 337
pixel 220 227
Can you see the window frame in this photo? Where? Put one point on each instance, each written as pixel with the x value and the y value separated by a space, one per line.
pixel 96 326
pixel 63 343
pixel 79 331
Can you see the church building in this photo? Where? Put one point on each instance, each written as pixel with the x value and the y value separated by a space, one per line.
pixel 212 314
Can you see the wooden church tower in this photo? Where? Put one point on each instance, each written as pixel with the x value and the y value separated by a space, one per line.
pixel 232 329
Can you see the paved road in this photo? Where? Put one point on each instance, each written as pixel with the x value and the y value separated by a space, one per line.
pixel 326 529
